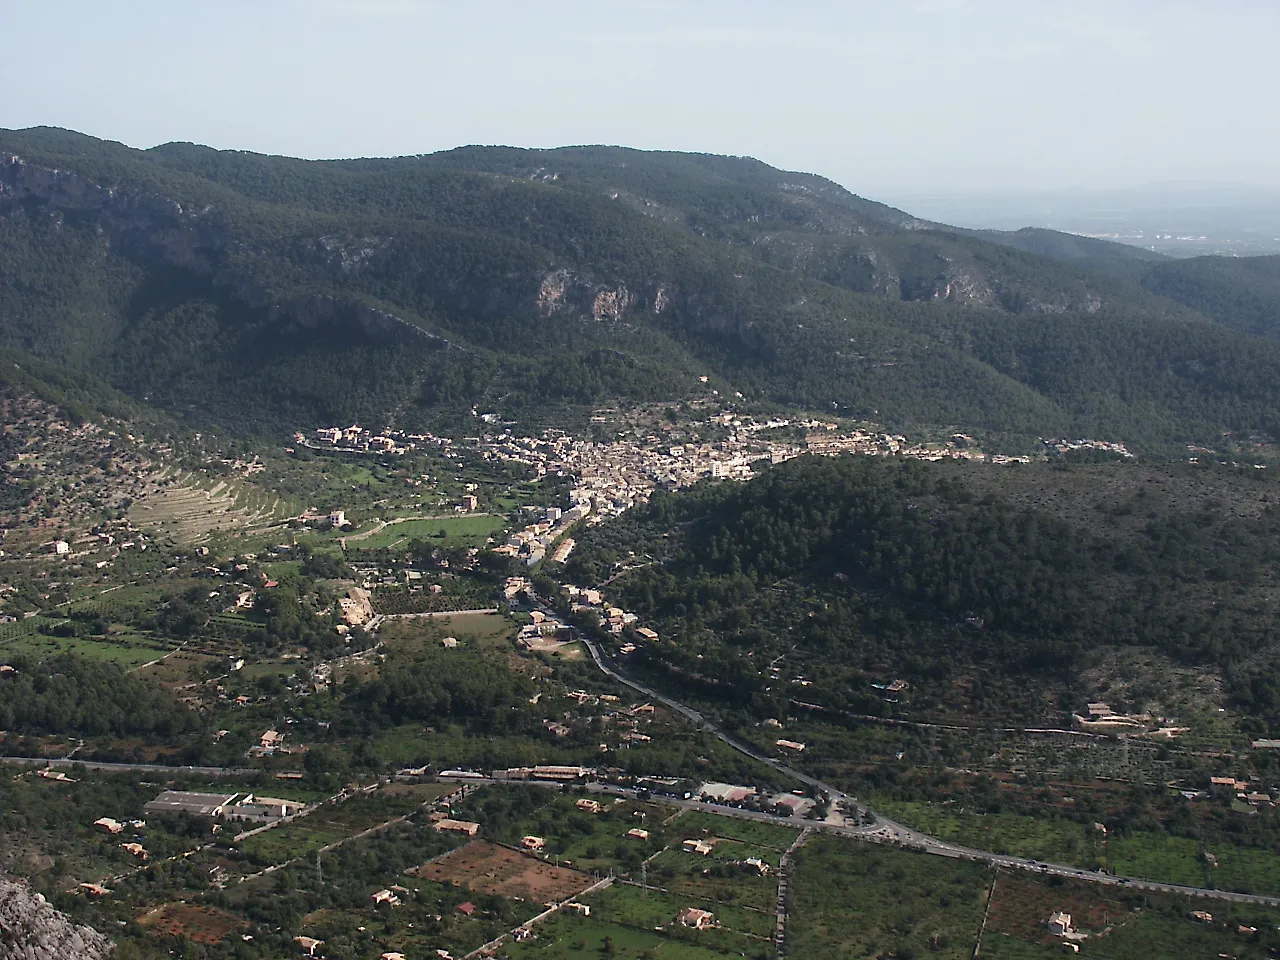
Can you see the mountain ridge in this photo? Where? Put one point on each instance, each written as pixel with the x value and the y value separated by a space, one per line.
pixel 268 291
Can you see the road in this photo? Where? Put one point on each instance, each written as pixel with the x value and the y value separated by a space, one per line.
pixel 884 830
pixel 66 764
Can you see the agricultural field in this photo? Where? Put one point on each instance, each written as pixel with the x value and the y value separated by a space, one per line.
pixel 1118 925
pixel 196 923
pixel 571 937
pixel 127 650
pixel 1057 840
pixel 453 746
pixel 594 841
pixel 737 931
pixel 853 899
pixel 1154 856
pixel 472 531
pixel 768 840
pixel 717 879
pixel 192 508
pixel 488 868
pixel 336 821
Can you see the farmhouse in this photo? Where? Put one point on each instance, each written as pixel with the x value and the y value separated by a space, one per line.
pixel 270 739
pixel 457 826
pixel 581 908
pixel 590 806
pixel 1060 924
pixel 308 944
pixel 387 897
pixel 694 845
pixel 635 833
pixel 791 745
pixel 136 849
pixel 533 843
pixel 107 825
pixel 695 918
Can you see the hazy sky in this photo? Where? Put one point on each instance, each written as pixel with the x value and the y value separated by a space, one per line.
pixel 889 97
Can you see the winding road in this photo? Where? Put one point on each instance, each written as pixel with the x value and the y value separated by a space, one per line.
pixel 882 829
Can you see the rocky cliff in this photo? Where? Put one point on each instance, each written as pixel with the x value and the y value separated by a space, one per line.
pixel 30 929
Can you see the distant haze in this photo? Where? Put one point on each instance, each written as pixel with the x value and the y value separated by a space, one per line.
pixel 892 98
pixel 1182 219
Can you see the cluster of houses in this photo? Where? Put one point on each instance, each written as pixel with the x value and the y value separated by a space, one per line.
pixel 356 439
pixel 531 543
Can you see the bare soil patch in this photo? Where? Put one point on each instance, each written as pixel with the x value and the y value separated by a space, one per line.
pixel 488 868
pixel 201 924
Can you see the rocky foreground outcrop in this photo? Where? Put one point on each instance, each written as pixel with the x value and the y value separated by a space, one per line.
pixel 30 929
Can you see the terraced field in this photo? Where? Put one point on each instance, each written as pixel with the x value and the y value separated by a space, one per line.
pixel 190 507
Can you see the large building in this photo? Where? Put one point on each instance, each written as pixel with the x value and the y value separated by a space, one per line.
pixel 200 804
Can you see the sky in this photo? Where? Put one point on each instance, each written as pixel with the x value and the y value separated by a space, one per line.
pixel 891 98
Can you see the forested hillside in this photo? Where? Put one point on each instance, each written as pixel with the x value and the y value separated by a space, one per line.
pixel 1013 578
pixel 269 293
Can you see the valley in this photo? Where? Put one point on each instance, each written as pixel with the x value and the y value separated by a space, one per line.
pixel 592 552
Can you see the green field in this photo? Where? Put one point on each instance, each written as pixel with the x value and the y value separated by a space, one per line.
pixel 1038 838
pixel 775 838
pixel 739 932
pixel 479 630
pixel 128 651
pixel 333 822
pixel 853 899
pixel 1162 931
pixel 571 937
pixel 1154 856
pixel 470 530
pixel 705 880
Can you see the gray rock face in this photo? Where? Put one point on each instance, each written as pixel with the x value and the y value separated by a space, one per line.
pixel 30 929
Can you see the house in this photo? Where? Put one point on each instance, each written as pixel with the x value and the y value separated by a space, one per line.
pixel 466 908
pixel 107 825
pixel 457 826
pixel 94 889
pixel 695 918
pixel 449 643
pixel 635 833
pixel 701 847
pixel 270 740
pixel 136 849
pixel 1202 916
pixel 533 843
pixel 61 547
pixel 590 806
pixel 385 896
pixel 791 745
pixel 647 634
pixel 58 775
pixel 1060 924
pixel 308 944
pixel 756 864
pixel 579 908
pixel 392 956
